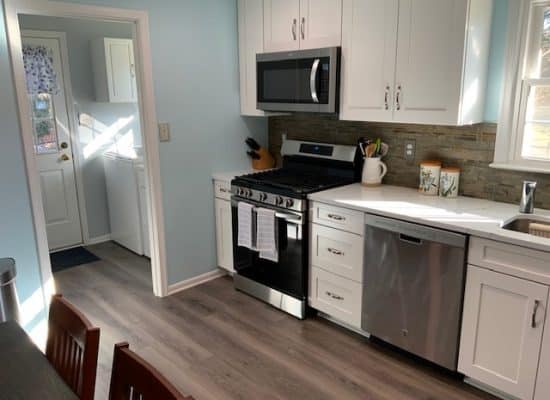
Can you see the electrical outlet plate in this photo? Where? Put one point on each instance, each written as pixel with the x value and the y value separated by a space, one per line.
pixel 410 150
pixel 164 132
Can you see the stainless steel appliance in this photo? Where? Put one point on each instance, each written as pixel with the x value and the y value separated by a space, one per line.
pixel 414 287
pixel 302 80
pixel 307 168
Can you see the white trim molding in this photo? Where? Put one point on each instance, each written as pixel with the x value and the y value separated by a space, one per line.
pixel 144 72
pixel 195 281
pixel 97 240
pixel 510 132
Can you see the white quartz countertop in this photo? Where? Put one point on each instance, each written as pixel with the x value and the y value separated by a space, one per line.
pixel 475 217
pixel 227 176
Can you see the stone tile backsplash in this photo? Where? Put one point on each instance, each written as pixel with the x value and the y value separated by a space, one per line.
pixel 470 148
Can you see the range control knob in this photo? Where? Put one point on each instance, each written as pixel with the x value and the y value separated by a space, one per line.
pixel 279 201
pixel 240 192
pixel 289 203
pixel 263 196
pixel 249 193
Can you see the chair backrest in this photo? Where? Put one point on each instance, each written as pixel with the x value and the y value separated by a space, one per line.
pixel 72 347
pixel 134 378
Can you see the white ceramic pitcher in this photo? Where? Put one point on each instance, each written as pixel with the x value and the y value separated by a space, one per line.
pixel 373 171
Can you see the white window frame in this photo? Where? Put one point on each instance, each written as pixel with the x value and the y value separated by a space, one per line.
pixel 515 91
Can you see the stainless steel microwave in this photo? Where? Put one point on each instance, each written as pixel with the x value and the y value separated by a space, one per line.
pixel 299 81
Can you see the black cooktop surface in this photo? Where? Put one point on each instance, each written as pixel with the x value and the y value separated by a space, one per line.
pixel 293 180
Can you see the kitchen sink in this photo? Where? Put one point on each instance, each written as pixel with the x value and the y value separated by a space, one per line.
pixel 521 223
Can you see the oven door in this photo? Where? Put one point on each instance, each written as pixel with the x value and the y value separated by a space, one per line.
pixel 303 81
pixel 289 274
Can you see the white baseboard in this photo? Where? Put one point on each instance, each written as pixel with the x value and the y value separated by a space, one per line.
pixel 98 239
pixel 197 280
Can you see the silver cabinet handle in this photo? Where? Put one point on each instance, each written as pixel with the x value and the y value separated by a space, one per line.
pixel 303 28
pixel 294 29
pixel 313 80
pixel 386 98
pixel 335 251
pixel 334 296
pixel 534 315
pixel 336 217
pixel 398 98
pixel 223 190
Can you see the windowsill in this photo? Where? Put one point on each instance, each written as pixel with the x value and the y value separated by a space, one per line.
pixel 510 166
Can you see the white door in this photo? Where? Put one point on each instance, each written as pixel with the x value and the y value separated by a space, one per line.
pixel 281 25
pixel 369 40
pixel 54 157
pixel 542 391
pixel 121 74
pixel 502 330
pixel 320 23
pixel 430 54
pixel 224 234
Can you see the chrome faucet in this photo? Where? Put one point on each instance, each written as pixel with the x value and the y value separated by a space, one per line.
pixel 527 204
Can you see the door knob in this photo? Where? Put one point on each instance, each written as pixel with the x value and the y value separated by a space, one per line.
pixel 65 157
pixel 64 145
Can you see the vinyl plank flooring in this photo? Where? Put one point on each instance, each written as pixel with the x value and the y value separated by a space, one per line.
pixel 216 343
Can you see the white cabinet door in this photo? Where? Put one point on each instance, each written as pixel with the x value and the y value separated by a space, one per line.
pixel 542 391
pixel 369 40
pixel 430 54
pixel 251 42
pixel 224 234
pixel 281 25
pixel 320 23
pixel 502 330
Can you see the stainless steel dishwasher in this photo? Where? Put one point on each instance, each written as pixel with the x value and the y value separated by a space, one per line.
pixel 414 287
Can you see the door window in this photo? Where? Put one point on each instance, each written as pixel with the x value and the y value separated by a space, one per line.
pixel 44 127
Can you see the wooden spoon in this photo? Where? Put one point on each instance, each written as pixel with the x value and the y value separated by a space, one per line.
pixel 370 150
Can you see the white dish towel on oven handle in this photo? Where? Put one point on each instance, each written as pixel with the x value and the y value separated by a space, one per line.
pixel 267 234
pixel 246 225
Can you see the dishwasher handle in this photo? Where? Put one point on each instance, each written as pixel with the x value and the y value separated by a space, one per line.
pixel 411 239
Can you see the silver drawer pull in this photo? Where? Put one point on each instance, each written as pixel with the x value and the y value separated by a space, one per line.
pixel 334 296
pixel 335 252
pixel 336 217
pixel 223 190
pixel 534 316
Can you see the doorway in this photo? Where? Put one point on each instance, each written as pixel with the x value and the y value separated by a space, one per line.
pixel 44 132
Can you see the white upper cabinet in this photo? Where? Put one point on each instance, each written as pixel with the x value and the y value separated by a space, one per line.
pixel 301 24
pixel 438 50
pixel 114 70
pixel 281 25
pixel 502 327
pixel 320 23
pixel 369 37
pixel 251 42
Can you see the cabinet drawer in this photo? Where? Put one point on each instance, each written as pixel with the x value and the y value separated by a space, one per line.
pixel 222 190
pixel 336 296
pixel 338 252
pixel 340 218
pixel 509 259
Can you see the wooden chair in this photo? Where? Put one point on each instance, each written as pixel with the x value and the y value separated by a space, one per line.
pixel 72 347
pixel 133 378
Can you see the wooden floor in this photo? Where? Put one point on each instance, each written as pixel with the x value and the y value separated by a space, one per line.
pixel 216 343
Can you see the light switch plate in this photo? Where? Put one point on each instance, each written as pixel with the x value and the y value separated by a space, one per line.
pixel 164 131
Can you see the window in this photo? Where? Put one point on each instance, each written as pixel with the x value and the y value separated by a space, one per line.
pixel 523 139
pixel 43 123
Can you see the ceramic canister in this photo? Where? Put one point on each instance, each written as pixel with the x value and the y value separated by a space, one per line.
pixel 429 177
pixel 448 182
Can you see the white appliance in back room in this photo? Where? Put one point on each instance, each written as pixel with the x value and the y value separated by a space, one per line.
pixel 127 199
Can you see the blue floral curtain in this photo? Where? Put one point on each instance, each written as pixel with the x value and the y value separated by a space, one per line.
pixel 39 71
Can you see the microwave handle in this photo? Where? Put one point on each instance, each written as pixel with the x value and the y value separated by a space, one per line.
pixel 313 80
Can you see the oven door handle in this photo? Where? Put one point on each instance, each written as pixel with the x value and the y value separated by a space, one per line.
pixel 289 218
pixel 313 80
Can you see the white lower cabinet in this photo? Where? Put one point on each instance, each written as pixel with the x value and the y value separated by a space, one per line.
pixel 336 296
pixel 224 227
pixel 502 329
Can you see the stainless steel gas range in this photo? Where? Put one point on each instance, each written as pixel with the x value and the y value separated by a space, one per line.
pixel 307 168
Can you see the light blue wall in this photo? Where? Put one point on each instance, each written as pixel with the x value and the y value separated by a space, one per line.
pixel 16 227
pixel 195 67
pixel 496 60
pixel 79 34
